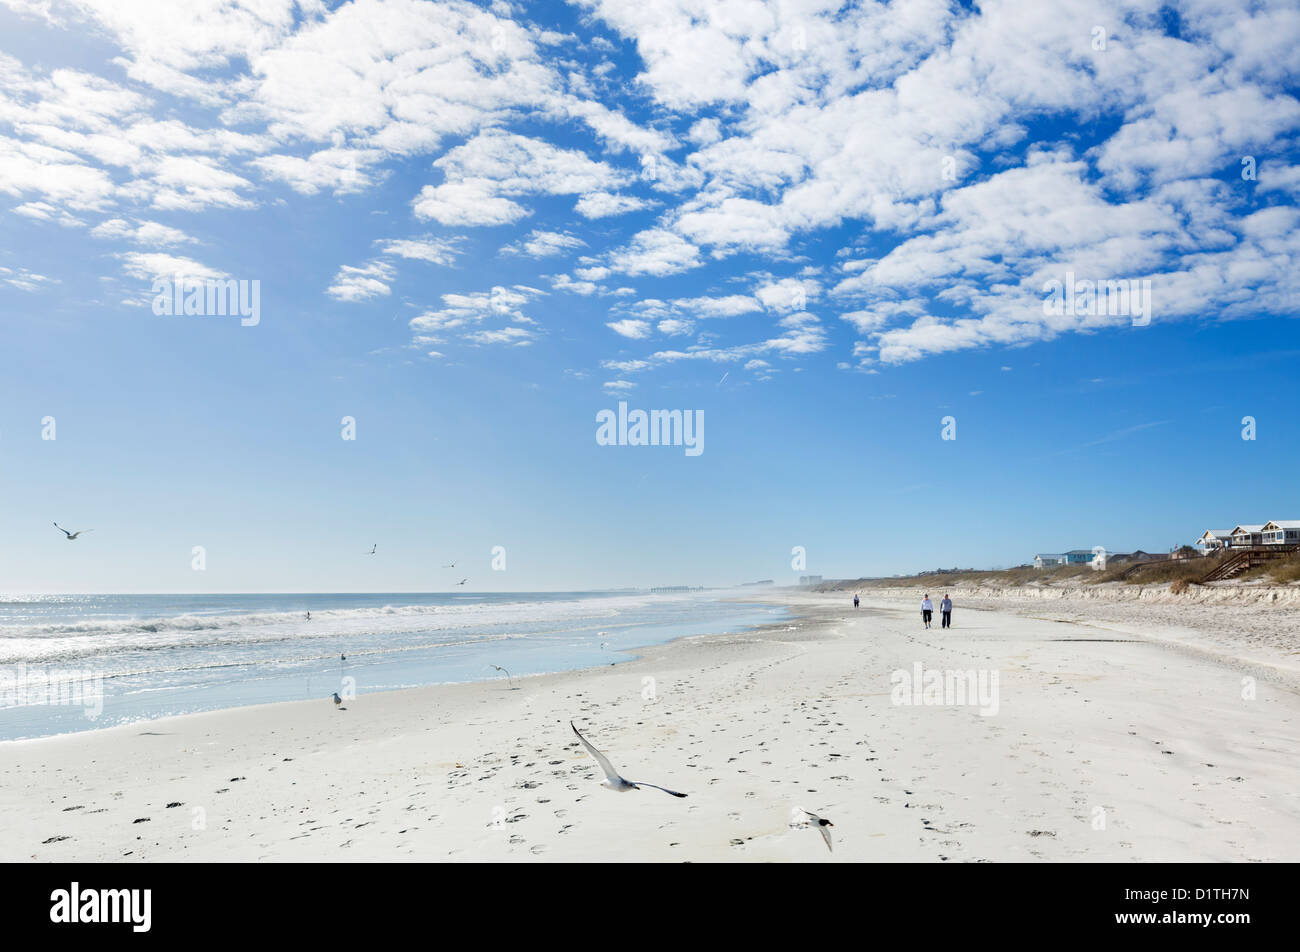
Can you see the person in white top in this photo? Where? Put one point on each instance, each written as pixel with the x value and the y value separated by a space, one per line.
pixel 927 609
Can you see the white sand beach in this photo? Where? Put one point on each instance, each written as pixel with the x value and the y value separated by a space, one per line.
pixel 1108 743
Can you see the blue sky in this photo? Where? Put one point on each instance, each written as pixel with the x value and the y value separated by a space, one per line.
pixel 476 226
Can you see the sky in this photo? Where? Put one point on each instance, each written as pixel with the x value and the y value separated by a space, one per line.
pixel 839 234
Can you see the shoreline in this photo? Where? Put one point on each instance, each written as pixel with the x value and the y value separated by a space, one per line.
pixel 376 663
pixel 750 725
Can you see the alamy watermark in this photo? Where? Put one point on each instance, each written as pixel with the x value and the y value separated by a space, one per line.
pixel 23 686
pixel 208 297
pixel 1126 297
pixel 651 428
pixel 931 687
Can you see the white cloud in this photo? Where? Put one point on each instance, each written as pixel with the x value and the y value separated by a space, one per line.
pixel 463 316
pixel 607 205
pixel 493 165
pixel 23 279
pixel 657 252
pixel 150 233
pixel 148 266
pixel 631 328
pixel 441 251
pixel 362 283
pixel 544 244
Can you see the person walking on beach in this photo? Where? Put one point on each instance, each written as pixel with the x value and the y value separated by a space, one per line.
pixel 945 611
pixel 927 609
pixel 855 601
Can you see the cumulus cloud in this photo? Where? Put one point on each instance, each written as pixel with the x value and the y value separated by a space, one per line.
pixel 362 283
pixel 544 244
pixel 483 174
pixel 967 155
pixel 607 205
pixel 468 316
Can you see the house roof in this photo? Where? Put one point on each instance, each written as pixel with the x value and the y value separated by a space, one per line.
pixel 1258 528
pixel 1283 524
pixel 1048 555
pixel 1079 552
pixel 1217 533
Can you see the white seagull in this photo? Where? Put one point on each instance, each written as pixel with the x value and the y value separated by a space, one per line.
pixel 373 548
pixel 612 779
pixel 451 565
pixel 71 535
pixel 507 674
pixel 822 824
pixel 462 581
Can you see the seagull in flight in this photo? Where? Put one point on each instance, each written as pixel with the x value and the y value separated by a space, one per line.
pixel 507 674
pixel 612 779
pixel 822 824
pixel 462 581
pixel 71 535
pixel 451 565
pixel 373 548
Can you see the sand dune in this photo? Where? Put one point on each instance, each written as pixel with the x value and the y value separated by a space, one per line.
pixel 1104 747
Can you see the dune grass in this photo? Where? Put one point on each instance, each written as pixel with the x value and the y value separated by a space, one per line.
pixel 1184 571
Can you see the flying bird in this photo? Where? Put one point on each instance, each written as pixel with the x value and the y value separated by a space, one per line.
pixel 451 565
pixel 462 581
pixel 507 674
pixel 612 779
pixel 373 548
pixel 71 535
pixel 822 824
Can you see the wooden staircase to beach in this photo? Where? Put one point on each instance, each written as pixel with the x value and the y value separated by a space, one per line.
pixel 1245 560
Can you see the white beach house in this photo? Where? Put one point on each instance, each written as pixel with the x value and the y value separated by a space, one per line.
pixel 1073 557
pixel 1213 539
pixel 1244 537
pixel 1281 532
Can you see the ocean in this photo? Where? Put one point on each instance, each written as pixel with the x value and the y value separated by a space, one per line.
pixel 83 662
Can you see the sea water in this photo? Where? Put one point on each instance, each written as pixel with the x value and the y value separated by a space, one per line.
pixel 82 662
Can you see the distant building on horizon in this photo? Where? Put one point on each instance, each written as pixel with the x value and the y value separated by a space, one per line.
pixel 810 579
pixel 1073 557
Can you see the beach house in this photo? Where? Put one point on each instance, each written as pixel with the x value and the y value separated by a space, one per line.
pixel 1245 537
pixel 1281 532
pixel 1073 557
pixel 1214 539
